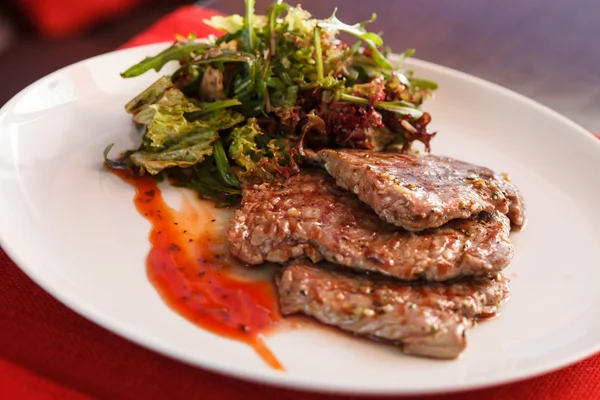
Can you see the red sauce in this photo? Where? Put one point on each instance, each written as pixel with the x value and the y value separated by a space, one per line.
pixel 198 282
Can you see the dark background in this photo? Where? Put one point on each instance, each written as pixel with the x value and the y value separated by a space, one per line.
pixel 27 55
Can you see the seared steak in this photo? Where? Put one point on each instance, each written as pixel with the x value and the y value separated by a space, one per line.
pixel 418 192
pixel 424 319
pixel 310 215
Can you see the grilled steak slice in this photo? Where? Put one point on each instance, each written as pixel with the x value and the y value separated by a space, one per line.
pixel 310 215
pixel 422 191
pixel 424 319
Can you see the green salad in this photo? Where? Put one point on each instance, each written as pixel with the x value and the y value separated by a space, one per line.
pixel 251 104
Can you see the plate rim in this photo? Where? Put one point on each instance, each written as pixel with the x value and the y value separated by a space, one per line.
pixel 89 312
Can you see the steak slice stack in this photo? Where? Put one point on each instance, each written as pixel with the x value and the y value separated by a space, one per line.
pixel 423 319
pixel 309 215
pixel 402 248
pixel 417 192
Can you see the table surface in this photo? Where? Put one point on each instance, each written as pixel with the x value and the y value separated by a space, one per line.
pixel 548 50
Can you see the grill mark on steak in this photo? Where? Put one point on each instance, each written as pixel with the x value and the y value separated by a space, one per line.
pixel 418 192
pixel 424 319
pixel 309 214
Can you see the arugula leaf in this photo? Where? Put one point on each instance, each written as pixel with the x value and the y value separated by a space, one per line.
pixel 400 108
pixel 423 84
pixel 274 11
pixel 319 53
pixel 176 52
pixel 248 33
pixel 407 53
pixel 223 164
pixel 397 107
pixel 205 180
pixel 222 55
pixel 211 107
pixel 122 163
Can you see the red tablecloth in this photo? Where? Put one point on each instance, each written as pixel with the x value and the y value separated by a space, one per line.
pixel 49 352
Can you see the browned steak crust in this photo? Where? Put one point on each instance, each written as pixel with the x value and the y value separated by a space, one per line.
pixel 418 192
pixel 310 215
pixel 424 319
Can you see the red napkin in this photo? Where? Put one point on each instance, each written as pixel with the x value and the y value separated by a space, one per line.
pixel 49 352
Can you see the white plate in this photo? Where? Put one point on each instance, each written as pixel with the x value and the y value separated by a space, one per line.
pixel 73 228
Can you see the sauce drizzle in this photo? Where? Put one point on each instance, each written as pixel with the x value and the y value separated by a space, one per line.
pixel 198 282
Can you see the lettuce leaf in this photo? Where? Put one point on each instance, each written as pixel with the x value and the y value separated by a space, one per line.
pixel 188 151
pixel 169 124
pixel 150 95
pixel 230 24
pixel 243 149
pixel 234 23
pixel 168 113
pixel 299 22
